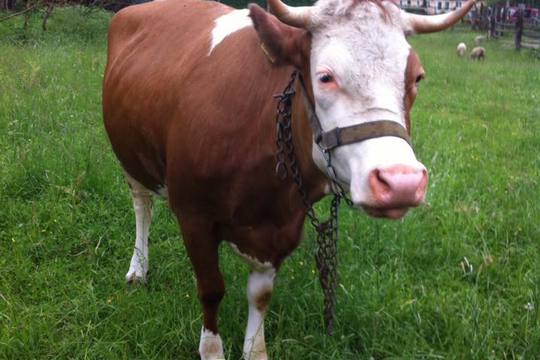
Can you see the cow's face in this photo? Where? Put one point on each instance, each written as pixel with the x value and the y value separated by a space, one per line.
pixel 361 69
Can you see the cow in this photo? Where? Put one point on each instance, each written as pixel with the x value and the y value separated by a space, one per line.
pixel 461 49
pixel 189 108
pixel 478 53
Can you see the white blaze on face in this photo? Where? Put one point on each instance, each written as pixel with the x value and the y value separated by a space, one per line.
pixel 365 52
pixel 228 24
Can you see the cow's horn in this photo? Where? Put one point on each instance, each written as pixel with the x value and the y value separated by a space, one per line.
pixel 423 24
pixel 295 16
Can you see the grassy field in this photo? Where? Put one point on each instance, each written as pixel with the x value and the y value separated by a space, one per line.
pixel 406 290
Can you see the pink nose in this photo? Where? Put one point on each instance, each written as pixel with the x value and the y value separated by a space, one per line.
pixel 399 186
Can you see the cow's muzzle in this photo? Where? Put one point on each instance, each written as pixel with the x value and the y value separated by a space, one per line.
pixel 394 190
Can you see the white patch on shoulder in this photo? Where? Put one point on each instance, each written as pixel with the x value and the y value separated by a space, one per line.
pixel 228 24
pixel 255 263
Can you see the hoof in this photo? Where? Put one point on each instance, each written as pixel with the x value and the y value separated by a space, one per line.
pixel 210 346
pixel 134 277
pixel 255 356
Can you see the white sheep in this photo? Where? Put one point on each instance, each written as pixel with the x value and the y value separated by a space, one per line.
pixel 479 39
pixel 461 49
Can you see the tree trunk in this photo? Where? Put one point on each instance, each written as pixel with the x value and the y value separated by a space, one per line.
pixel 48 13
pixel 26 16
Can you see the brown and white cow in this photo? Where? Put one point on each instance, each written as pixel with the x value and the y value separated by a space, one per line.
pixel 189 109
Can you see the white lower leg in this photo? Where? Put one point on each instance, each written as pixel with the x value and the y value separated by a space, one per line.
pixel 259 291
pixel 210 346
pixel 142 203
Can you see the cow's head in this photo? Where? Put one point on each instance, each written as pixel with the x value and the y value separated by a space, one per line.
pixel 356 58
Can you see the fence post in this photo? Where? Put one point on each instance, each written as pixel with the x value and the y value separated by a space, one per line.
pixel 484 20
pixel 492 22
pixel 503 19
pixel 519 30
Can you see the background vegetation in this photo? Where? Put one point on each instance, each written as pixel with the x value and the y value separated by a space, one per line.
pixel 457 279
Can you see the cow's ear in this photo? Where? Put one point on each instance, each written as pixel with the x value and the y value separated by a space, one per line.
pixel 283 44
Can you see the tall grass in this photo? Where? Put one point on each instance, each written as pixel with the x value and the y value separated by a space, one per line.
pixel 457 279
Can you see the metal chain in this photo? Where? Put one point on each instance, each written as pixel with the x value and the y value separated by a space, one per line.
pixel 284 142
pixel 327 262
pixel 327 231
pixel 337 188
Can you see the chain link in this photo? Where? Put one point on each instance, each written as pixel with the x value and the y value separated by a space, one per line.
pixel 337 188
pixel 327 261
pixel 327 231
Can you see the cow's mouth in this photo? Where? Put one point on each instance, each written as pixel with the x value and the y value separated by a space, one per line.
pixel 389 213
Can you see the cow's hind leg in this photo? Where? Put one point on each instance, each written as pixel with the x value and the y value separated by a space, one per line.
pixel 142 204
pixel 259 291
pixel 202 240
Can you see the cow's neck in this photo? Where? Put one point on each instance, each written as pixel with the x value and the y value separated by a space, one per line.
pixel 316 183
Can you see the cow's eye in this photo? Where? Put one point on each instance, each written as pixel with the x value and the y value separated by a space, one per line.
pixel 420 78
pixel 326 78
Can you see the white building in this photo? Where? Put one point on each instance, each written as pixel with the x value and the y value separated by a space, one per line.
pixel 432 6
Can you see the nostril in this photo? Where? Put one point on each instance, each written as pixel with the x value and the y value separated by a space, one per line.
pixel 379 184
pixel 421 190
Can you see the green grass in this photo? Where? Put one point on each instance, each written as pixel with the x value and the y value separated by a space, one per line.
pixel 67 228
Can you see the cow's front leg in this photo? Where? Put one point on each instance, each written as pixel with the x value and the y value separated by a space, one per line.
pixel 211 289
pixel 202 241
pixel 259 292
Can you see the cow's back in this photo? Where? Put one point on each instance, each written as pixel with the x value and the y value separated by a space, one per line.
pixel 178 112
